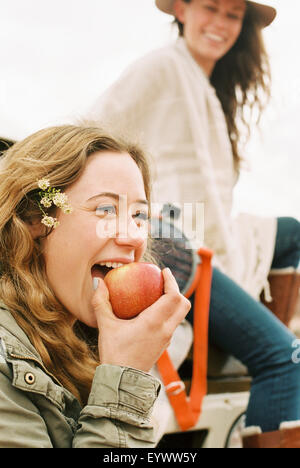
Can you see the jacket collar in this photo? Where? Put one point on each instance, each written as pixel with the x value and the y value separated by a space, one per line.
pixel 16 341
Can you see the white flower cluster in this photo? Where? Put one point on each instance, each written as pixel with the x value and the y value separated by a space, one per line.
pixel 52 196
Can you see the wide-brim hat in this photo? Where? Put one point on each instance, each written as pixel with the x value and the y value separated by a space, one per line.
pixel 266 13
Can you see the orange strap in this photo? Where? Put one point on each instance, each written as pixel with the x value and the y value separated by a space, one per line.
pixel 188 409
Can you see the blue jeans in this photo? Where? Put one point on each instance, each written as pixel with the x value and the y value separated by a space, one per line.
pixel 287 247
pixel 243 327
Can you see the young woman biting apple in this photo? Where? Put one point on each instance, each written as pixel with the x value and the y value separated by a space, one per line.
pixel 74 204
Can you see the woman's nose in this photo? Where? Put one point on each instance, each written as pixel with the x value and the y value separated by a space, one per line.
pixel 220 21
pixel 131 233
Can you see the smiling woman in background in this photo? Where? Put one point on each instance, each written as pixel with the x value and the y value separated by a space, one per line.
pixel 192 103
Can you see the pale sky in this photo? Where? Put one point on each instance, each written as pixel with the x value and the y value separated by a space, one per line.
pixel 57 56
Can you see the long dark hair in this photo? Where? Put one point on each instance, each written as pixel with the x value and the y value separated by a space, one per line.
pixel 242 80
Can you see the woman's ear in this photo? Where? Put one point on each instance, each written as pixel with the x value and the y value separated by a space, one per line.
pixel 35 228
pixel 179 10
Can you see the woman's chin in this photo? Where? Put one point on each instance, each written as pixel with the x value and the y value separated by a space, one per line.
pixel 88 317
pixel 90 321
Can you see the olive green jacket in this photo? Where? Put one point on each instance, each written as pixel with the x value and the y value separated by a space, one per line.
pixel 36 411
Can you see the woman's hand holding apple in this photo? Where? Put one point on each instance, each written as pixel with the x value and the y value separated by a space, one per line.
pixel 139 342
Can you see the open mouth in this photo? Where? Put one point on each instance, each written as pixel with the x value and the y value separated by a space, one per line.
pixel 100 270
pixel 215 38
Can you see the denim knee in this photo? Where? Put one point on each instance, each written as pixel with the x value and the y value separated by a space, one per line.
pixel 280 356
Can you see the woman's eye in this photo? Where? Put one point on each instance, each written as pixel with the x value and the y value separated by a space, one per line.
pixel 234 17
pixel 210 7
pixel 106 210
pixel 141 216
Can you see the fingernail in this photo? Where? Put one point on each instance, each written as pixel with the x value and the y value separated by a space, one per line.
pixel 95 283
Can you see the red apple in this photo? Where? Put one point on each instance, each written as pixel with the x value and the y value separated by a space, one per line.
pixel 133 288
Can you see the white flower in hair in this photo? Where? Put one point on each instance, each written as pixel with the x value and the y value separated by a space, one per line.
pixel 60 200
pixel 46 202
pixel 67 209
pixel 43 184
pixel 50 222
pixel 47 197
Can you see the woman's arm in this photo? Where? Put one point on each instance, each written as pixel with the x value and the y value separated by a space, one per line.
pixel 118 411
pixel 122 396
pixel 138 343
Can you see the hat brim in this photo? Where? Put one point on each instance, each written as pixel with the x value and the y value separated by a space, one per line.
pixel 266 13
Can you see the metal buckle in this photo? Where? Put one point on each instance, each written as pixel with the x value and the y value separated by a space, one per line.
pixel 170 387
